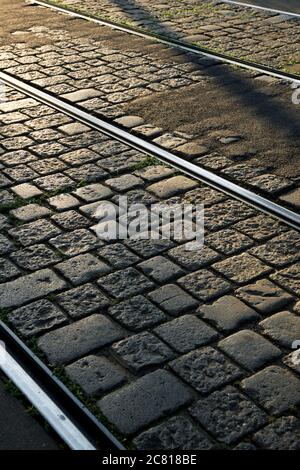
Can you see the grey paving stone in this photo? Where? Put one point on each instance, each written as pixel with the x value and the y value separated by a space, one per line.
pixel 225 214
pixel 70 220
pixel 281 250
pixel 81 95
pixel 228 415
pixel 130 121
pixel 142 402
pixel 26 190
pixel 74 128
pixel 16 158
pixel 72 341
pixel 149 248
pixel 204 285
pixel 82 268
pixel 30 287
pixel 173 299
pixel 249 349
pixel 172 186
pixel 74 243
pixel 242 268
pixel 124 182
pixel 35 257
pixel 95 374
pixel 283 328
pixel 89 173
pixel 161 269
pixel 141 351
pixel 228 241
pixel 20 173
pixel 34 232
pixel 264 296
pixel 170 436
pixel 282 434
pixel 261 227
pixel 30 212
pixel 6 198
pixel 292 198
pixel 6 246
pixel 7 270
pixel 93 192
pixel 289 278
pixel 63 202
pixel 79 157
pixel 137 313
pixel 118 256
pixel 186 333
pixel 154 173
pixel 55 182
pixel 125 283
pixel 195 259
pixel 228 313
pixel 276 389
pixel 216 369
pixel 36 318
pixel 292 360
pixel 83 300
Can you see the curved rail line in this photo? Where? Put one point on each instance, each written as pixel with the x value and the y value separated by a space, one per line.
pixel 148 148
pixel 182 45
pixel 66 415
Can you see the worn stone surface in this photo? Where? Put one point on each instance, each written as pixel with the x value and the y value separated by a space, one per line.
pixel 95 374
pixel 161 269
pixel 228 313
pixel 169 436
pixel 204 285
pixel 216 369
pixel 283 434
pixel 264 296
pixel 82 268
pixel 172 299
pixel 242 268
pixel 36 318
pixel 141 351
pixel 72 341
pixel 283 328
pixel 81 301
pixel 142 402
pixel 193 260
pixel 249 349
pixel 172 186
pixel 186 333
pixel 289 278
pixel 228 415
pixel 30 287
pixel 125 283
pixel 276 389
pixel 137 313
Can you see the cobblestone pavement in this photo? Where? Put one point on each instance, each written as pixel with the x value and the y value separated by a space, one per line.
pixel 117 75
pixel 178 349
pixel 256 35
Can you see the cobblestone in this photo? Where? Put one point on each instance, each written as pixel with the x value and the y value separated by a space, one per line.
pixel 204 285
pixel 228 415
pixel 216 369
pixel 289 278
pixel 276 389
pixel 283 328
pixel 36 318
pixel 169 436
pixel 137 313
pixel 228 313
pixel 82 268
pixel 95 374
pixel 186 333
pixel 161 269
pixel 125 283
pixel 264 296
pixel 193 260
pixel 249 349
pixel 142 402
pixel 83 300
pixel 72 341
pixel 242 268
pixel 283 434
pixel 30 212
pixel 30 287
pixel 74 243
pixel 35 257
pixel 141 351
